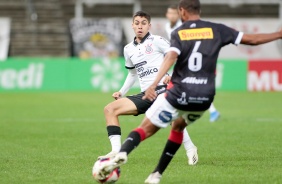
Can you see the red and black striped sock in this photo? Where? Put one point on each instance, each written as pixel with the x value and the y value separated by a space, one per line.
pixel 133 140
pixel 173 144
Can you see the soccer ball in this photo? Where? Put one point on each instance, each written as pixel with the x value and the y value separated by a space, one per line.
pixel 100 177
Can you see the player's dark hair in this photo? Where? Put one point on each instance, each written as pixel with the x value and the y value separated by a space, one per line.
pixel 173 6
pixel 142 14
pixel 191 6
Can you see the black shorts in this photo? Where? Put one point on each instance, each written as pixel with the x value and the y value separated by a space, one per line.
pixel 143 105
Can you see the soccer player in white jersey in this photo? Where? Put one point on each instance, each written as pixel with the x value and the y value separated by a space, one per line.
pixel 173 18
pixel 143 58
pixel 174 22
pixel 194 50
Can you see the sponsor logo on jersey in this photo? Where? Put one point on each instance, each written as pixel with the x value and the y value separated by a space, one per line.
pixel 140 69
pixel 182 99
pixel 148 72
pixel 198 99
pixel 194 80
pixel 140 64
pixel 196 34
pixel 165 116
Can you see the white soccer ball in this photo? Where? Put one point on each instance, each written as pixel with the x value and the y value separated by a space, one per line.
pixel 101 177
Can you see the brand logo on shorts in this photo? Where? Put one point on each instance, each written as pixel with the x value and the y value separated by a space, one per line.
pixel 165 116
pixel 161 90
pixel 193 117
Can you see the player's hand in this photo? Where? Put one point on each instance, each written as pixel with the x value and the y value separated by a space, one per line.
pixel 150 94
pixel 166 79
pixel 116 95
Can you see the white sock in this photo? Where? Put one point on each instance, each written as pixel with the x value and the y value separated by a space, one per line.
pixel 187 142
pixel 212 108
pixel 115 142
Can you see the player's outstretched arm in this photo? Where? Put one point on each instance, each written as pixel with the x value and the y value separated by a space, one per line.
pixel 257 39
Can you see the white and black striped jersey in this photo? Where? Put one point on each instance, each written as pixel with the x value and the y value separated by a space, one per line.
pixel 146 58
pixel 198 44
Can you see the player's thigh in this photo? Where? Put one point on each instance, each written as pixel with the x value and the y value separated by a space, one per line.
pixel 141 105
pixel 122 106
pixel 191 116
pixel 161 113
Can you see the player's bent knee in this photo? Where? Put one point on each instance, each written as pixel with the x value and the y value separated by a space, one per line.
pixel 109 110
pixel 114 110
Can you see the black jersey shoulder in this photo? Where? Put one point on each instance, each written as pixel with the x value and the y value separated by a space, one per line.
pixel 199 24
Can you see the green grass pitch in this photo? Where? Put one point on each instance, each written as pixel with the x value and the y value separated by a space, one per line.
pixel 56 137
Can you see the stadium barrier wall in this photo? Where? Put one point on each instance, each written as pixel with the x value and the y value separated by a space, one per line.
pixel 5 30
pixel 92 37
pixel 107 75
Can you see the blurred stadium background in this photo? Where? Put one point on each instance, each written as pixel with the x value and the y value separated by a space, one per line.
pixel 60 61
pixel 34 34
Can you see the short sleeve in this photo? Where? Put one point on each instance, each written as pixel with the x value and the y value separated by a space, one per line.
pixel 175 43
pixel 229 35
pixel 128 62
pixel 162 44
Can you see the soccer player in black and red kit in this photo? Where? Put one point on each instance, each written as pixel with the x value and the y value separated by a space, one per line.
pixel 194 50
